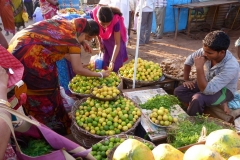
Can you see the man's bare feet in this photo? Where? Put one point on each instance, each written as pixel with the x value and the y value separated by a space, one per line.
pixel 225 108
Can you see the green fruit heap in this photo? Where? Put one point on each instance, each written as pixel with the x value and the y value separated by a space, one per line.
pixel 146 70
pixel 83 85
pixel 162 117
pixel 107 117
pixel 101 150
pixel 105 92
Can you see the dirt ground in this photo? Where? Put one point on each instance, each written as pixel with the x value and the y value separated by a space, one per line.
pixel 167 47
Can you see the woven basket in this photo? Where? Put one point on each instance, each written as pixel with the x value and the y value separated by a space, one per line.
pixel 129 82
pixel 79 94
pixel 87 139
pixel 217 121
pixel 124 136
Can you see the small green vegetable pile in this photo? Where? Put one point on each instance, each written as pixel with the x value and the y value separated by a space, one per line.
pixel 158 101
pixel 188 132
pixel 37 147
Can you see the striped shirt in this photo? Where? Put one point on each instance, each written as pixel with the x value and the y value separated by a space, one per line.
pixel 160 3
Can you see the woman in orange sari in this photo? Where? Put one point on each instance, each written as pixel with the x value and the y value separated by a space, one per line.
pixel 6 13
pixel 38 47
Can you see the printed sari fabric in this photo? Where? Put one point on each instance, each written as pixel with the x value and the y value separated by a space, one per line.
pixel 6 13
pixel 48 10
pixel 18 7
pixel 38 47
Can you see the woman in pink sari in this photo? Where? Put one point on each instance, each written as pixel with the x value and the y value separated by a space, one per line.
pixel 49 8
pixel 113 36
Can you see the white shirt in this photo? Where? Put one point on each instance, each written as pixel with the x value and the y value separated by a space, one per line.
pixel 124 7
pixel 147 5
pixel 161 3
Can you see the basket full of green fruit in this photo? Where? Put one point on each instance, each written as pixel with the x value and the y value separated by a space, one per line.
pixel 94 119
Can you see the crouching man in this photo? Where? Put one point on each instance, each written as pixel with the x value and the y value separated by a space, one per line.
pixel 217 75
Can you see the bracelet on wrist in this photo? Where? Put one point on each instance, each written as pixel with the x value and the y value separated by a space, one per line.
pixel 2 101
pixel 112 62
pixel 101 74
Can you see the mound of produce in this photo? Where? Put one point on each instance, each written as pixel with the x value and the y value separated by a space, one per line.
pixel 107 117
pixel 132 149
pixel 166 101
pixel 224 141
pixel 173 68
pixel 162 117
pixel 202 152
pixel 83 85
pixel 167 152
pixel 105 92
pixel 146 70
pixel 70 11
pixel 187 131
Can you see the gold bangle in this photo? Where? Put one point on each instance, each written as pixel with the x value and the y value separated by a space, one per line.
pixel 2 101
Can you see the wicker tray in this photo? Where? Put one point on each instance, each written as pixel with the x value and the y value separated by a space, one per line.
pixel 220 122
pixel 129 82
pixel 87 139
pixel 124 136
pixel 78 94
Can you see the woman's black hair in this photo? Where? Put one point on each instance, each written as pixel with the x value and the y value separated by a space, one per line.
pixel 105 14
pixel 91 28
pixel 217 41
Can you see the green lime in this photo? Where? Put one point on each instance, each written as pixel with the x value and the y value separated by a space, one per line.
pixel 88 109
pixel 117 139
pixel 103 154
pixel 151 147
pixel 102 133
pixel 94 123
pixel 111 127
pixel 106 128
pixel 130 117
pixel 94 147
pixel 106 143
pixel 117 131
pixel 109 123
pixel 112 139
pixel 89 120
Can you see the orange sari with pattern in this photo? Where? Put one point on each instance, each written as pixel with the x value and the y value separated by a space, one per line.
pixel 38 47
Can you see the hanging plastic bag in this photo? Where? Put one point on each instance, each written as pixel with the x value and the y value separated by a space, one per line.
pixel 67 101
pixel 97 60
pixel 25 16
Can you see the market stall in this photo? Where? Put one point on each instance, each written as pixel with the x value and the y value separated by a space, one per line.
pixel 145 112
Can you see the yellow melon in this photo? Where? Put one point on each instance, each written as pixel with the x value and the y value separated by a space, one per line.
pixel 201 152
pixel 132 149
pixel 235 157
pixel 224 141
pixel 166 152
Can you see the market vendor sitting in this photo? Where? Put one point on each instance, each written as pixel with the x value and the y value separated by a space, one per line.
pixel 217 75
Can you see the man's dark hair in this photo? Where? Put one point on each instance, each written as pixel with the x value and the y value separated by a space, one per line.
pixel 91 28
pixel 217 41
